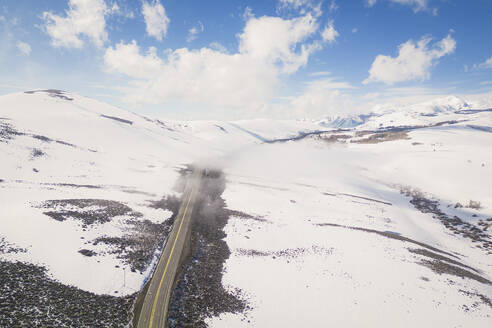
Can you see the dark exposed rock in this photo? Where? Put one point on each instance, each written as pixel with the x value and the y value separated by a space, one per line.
pixel 478 234
pixel 87 252
pixel 42 138
pixel 6 247
pixel 30 298
pixel 290 253
pixel 117 119
pixel 137 248
pixel 52 93
pixel 483 299
pixel 8 132
pixel 37 153
pixel 88 211
pixel 441 267
pixel 439 257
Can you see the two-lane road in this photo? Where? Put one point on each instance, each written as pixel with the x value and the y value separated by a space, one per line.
pixel 156 302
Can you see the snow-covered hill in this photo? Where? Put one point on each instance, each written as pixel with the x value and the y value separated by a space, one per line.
pixel 381 219
pixel 59 149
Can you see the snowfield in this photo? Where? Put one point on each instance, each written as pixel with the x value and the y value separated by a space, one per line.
pixel 65 149
pixel 302 265
pixel 381 219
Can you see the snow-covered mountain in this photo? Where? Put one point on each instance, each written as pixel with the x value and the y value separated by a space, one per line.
pixel 390 115
pixel 344 122
pixel 385 222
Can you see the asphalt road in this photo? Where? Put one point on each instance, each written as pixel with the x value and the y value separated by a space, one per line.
pixel 156 302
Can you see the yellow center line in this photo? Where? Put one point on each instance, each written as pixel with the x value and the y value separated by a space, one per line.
pixel 168 260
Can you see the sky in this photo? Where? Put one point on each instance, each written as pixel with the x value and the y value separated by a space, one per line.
pixel 237 59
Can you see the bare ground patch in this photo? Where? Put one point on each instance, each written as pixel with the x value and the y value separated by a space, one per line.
pixel 480 299
pixel 477 234
pixel 118 119
pixel 333 138
pixel 48 140
pixel 30 298
pixel 8 248
pixel 364 198
pixel 88 211
pixel 8 132
pixel 289 253
pixel 35 153
pixel 142 237
pixel 52 93
pixel 439 257
pixel 441 267
pixel 72 185
pixel 383 137
pixel 137 247
pixel 246 216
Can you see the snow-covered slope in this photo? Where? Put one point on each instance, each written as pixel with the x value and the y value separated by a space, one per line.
pixel 60 146
pixel 57 147
pixel 377 232
pixel 370 224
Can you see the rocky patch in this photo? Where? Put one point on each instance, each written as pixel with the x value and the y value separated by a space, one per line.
pixel 7 248
pixel 87 211
pixel 30 298
pixel 478 234
pixel 7 131
pixel 290 253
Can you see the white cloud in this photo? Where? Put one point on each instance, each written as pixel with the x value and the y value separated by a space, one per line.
pixel 248 14
pixel 488 63
pixel 156 19
pixel 124 12
pixel 329 83
pixel 413 62
pixel 416 5
pixel 83 18
pixel 268 48
pixel 294 3
pixel 304 6
pixel 333 6
pixel 126 59
pixel 203 76
pixel 329 34
pixel 485 64
pixel 323 97
pixel 320 73
pixel 23 47
pixel 217 46
pixel 275 40
pixel 355 30
pixel 194 31
pixel 115 8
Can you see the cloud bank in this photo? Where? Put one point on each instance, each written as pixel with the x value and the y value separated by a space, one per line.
pixel 414 61
pixel 268 48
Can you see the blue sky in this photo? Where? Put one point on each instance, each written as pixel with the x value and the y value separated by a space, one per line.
pixel 241 59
